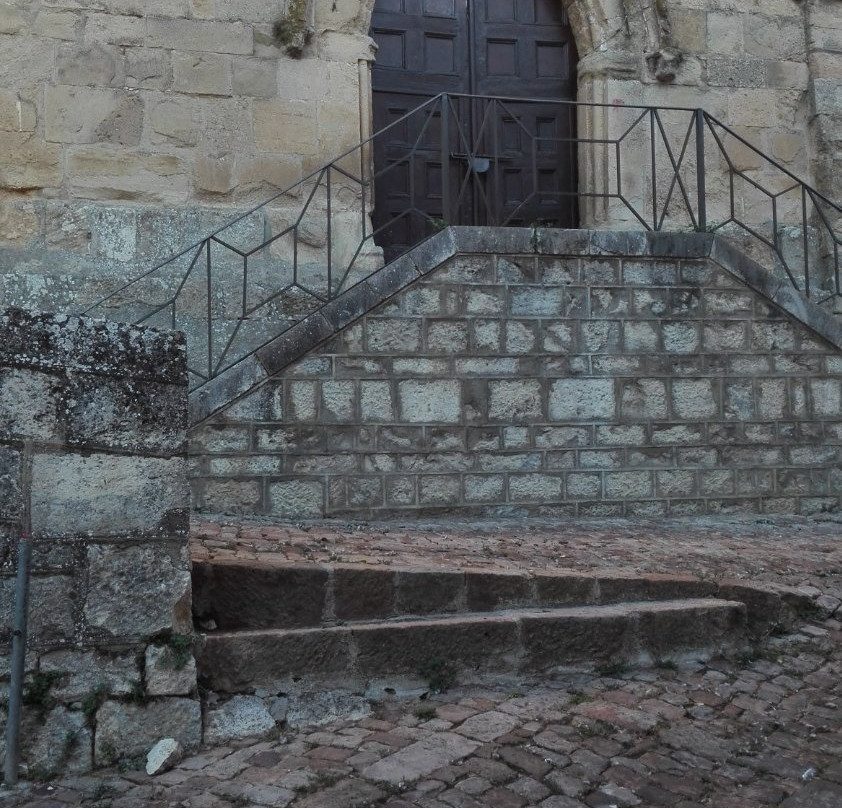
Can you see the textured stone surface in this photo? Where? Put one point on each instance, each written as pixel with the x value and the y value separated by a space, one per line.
pixel 668 385
pixel 163 756
pixel 137 591
pixel 240 717
pixel 168 674
pixel 128 730
pixel 92 440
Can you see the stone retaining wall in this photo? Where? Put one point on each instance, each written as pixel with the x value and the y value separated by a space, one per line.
pixel 92 467
pixel 510 383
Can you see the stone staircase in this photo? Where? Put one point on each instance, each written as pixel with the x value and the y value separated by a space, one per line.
pixel 303 627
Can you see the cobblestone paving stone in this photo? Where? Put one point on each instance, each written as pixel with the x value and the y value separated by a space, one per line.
pixel 762 730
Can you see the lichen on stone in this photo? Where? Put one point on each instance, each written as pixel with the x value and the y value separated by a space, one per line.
pixel 293 30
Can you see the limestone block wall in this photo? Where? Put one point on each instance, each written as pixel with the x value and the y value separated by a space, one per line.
pixel 748 64
pixel 92 467
pixel 534 384
pixel 129 129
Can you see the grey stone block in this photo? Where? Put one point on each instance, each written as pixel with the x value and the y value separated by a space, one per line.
pixel 294 343
pixel 217 393
pixel 553 241
pixel 614 242
pixel 81 344
pixel 350 305
pixel 168 675
pixel 120 414
pixel 30 404
pixel 501 240
pixel 107 495
pixel 679 245
pixel 394 277
pixel 137 590
pixel 11 483
pixel 82 671
pixel 433 252
pixel 128 730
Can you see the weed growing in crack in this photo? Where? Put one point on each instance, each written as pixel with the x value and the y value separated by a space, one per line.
pixel 439 674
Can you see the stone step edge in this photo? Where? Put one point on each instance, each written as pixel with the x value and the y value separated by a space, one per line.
pixel 314 595
pixel 512 641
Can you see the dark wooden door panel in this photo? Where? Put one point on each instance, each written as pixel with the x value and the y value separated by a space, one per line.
pixel 512 48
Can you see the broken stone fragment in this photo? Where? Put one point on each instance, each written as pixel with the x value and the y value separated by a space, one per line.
pixel 163 756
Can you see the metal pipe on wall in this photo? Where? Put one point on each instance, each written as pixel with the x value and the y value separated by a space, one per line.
pixel 18 662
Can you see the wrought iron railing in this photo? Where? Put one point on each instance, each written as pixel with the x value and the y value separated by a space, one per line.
pixel 459 159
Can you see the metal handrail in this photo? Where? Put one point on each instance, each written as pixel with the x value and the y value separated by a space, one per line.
pixel 637 165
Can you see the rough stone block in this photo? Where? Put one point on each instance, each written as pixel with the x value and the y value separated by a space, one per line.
pixel 107 172
pixel 644 399
pixel 12 20
pixel 693 399
pixel 297 498
pixel 202 73
pixel 26 162
pixel 364 492
pixel 361 594
pixel 83 671
pixel 240 717
pixel 628 485
pixel 583 486
pixel 107 495
pixel 60 745
pixel 446 337
pixel 199 35
pixel 439 489
pixel 376 401
pixel 93 115
pixel 520 337
pixel 400 490
pixel 285 126
pixel 239 596
pixel 535 487
pixel 600 336
pixel 825 396
pixel 485 488
pixel 430 401
pixel 128 730
pixel 582 399
pixel 393 335
pixel 137 590
pixel 168 673
pixel 515 401
pixel 240 662
pixel 53 607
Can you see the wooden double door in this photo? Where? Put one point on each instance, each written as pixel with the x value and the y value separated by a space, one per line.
pixel 504 162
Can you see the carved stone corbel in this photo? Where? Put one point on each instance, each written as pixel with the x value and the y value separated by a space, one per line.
pixel 662 58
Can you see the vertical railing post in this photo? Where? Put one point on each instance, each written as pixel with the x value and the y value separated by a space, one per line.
pixel 701 170
pixel 18 663
pixel 445 159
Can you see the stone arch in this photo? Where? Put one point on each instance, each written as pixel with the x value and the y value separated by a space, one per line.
pixel 614 38
pixel 622 37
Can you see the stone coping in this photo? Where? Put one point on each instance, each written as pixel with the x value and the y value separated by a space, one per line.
pixel 322 324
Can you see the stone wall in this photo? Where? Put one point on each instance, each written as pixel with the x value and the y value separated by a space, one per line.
pixel 92 467
pixel 131 128
pixel 557 382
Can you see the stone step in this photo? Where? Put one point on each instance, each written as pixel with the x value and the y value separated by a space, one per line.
pixel 515 641
pixel 253 595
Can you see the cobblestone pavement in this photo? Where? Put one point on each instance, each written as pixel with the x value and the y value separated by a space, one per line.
pixel 762 730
